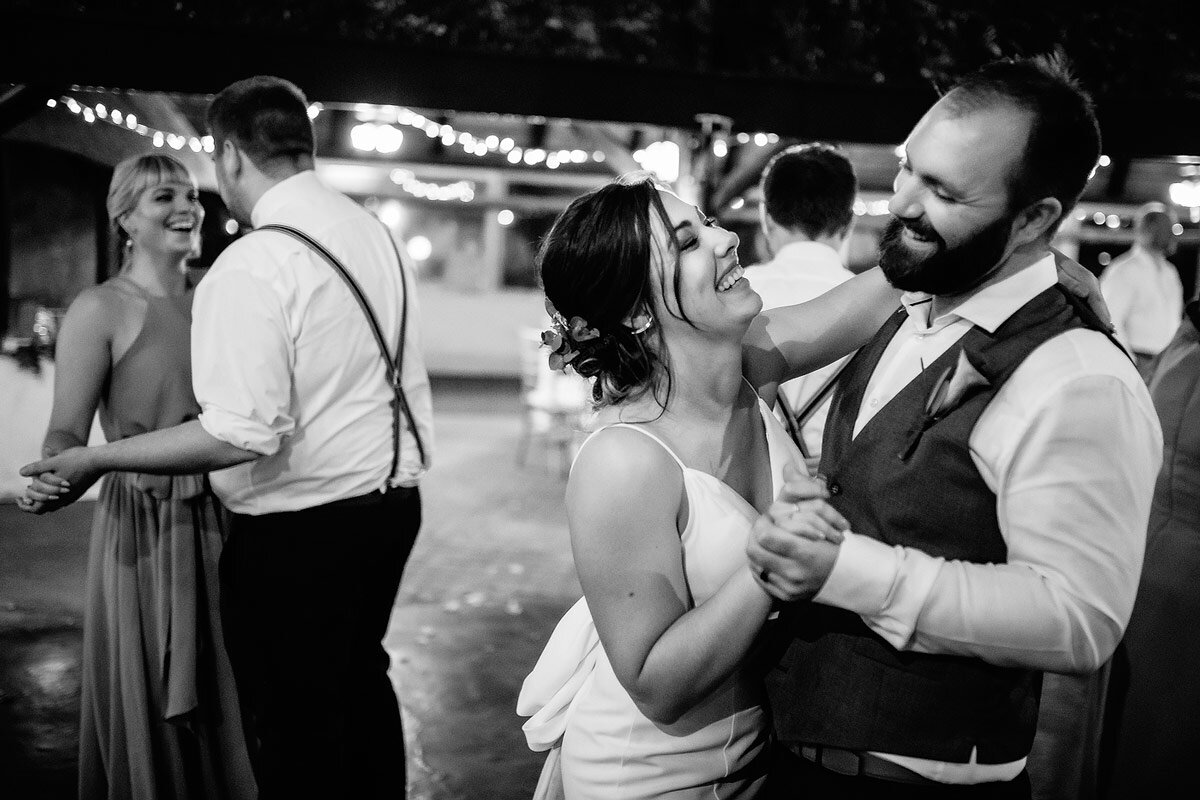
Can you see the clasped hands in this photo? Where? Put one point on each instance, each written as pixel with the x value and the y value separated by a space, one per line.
pixel 57 480
pixel 794 545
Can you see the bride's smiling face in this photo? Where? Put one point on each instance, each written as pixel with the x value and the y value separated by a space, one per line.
pixel 700 278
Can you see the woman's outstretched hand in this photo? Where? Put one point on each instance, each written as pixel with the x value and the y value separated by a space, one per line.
pixel 795 543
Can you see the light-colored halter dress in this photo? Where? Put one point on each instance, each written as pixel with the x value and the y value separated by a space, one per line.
pixel 609 749
pixel 159 714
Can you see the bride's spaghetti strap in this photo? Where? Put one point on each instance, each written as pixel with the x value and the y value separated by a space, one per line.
pixel 633 427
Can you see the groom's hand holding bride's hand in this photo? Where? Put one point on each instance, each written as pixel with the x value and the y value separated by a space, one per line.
pixel 794 545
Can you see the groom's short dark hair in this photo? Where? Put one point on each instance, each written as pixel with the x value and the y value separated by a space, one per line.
pixel 1064 136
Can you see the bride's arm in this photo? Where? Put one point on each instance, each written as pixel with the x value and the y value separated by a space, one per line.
pixel 790 341
pixel 623 505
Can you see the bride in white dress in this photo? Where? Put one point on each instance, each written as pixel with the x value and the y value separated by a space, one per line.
pixel 647 688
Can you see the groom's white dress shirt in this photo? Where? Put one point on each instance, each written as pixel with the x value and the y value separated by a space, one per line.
pixel 1071 445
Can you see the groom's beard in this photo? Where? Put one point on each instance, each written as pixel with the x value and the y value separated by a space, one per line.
pixel 946 271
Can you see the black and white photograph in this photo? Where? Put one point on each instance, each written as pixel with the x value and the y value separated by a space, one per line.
pixel 582 400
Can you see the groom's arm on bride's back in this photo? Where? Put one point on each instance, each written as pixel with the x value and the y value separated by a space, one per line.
pixel 790 341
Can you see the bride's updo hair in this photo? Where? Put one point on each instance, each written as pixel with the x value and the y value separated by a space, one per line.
pixel 595 264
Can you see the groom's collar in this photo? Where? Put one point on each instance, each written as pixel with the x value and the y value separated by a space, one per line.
pixel 991 304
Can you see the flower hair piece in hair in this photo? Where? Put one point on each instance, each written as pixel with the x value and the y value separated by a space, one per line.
pixel 564 337
pixel 561 353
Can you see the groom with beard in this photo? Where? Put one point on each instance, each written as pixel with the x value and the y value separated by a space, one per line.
pixel 995 458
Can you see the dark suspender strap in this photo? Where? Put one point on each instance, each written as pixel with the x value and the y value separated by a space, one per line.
pixel 795 421
pixel 789 421
pixel 394 369
pixel 819 396
pixel 398 372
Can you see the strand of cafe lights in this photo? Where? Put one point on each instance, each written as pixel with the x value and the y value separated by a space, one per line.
pixel 376 132
pixel 460 190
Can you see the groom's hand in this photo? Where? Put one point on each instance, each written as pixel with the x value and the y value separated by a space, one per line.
pixel 794 545
pixel 59 480
pixel 790 566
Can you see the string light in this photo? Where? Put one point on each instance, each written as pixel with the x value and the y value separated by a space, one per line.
pixel 661 158
pixel 376 132
pixel 463 191
pixel 1186 193
pixel 375 122
pixel 873 208
pixel 129 121
pixel 758 138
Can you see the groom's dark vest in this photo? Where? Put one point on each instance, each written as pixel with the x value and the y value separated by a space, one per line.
pixel 908 479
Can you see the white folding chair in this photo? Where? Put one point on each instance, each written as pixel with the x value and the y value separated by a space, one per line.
pixel 553 404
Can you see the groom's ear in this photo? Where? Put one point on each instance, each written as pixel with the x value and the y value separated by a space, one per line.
pixel 231 158
pixel 1035 221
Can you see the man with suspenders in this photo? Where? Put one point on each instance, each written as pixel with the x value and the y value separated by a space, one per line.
pixel 316 412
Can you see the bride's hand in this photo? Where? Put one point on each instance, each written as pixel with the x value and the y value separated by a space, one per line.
pixel 801 507
pixel 794 545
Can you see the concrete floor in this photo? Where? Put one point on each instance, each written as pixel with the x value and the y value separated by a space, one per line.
pixel 490 574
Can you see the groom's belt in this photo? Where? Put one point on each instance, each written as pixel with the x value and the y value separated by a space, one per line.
pixel 852 762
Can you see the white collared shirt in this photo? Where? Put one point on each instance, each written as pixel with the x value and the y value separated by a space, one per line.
pixel 284 362
pixel 1071 445
pixel 799 272
pixel 1145 297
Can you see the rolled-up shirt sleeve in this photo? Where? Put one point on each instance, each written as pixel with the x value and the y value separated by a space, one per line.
pixel 1073 499
pixel 242 355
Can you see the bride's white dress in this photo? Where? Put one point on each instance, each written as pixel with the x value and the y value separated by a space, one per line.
pixel 609 749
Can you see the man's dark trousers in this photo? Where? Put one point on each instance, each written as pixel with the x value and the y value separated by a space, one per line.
pixel 305 599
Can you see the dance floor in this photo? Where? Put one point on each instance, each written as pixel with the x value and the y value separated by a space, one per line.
pixel 489 576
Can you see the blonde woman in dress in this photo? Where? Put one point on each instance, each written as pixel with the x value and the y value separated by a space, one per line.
pixel 159 716
pixel 648 688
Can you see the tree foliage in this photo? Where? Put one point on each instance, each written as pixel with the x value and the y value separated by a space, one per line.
pixel 1119 48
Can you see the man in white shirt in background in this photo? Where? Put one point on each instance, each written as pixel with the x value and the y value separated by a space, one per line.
pixel 1143 289
pixel 995 455
pixel 807 213
pixel 297 417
